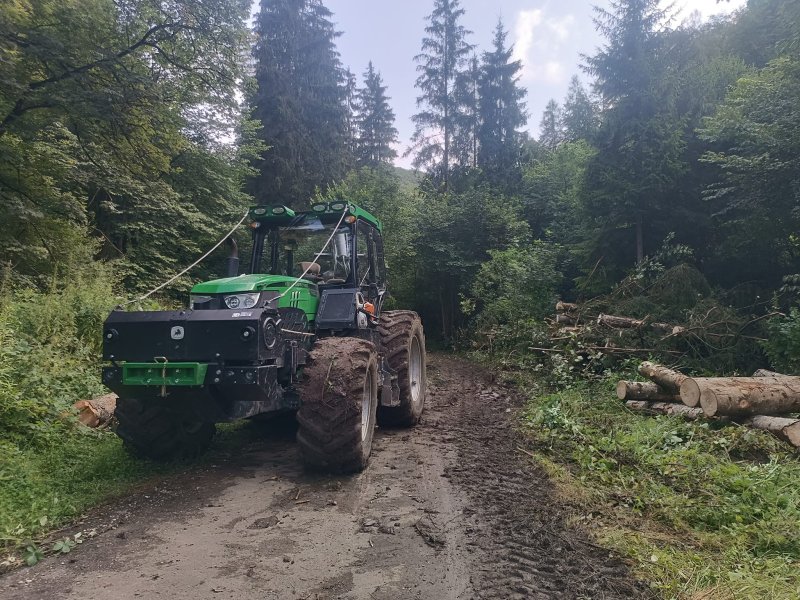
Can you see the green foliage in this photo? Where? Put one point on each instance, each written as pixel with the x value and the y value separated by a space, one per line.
pixel 517 284
pixel 444 58
pixel 501 110
pixel 111 115
pixel 696 506
pixel 375 122
pixel 49 346
pixel 783 344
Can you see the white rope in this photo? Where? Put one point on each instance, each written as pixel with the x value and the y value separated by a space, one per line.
pixel 299 279
pixel 191 266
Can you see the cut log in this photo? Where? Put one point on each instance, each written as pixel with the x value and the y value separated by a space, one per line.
pixel 97 412
pixel 765 373
pixel 743 396
pixel 619 322
pixel 787 430
pixel 566 307
pixel 663 376
pixel 566 320
pixel 638 390
pixel 665 408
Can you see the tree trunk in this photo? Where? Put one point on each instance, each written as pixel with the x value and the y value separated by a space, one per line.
pixel 787 430
pixel 638 390
pixel 743 396
pixel 665 408
pixel 97 412
pixel 666 378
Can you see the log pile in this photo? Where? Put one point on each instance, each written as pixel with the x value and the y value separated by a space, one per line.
pixel 763 401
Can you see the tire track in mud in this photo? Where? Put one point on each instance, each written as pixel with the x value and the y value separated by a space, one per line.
pixel 517 521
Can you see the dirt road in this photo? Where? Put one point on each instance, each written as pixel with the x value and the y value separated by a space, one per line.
pixel 449 510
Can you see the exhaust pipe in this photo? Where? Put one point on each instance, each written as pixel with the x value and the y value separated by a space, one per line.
pixel 232 263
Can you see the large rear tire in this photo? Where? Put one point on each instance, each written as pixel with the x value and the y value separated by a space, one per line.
pixel 338 403
pixel 149 430
pixel 403 341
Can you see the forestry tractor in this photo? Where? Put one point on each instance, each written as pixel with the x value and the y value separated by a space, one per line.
pixel 303 333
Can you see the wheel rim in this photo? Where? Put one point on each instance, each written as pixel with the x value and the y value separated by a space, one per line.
pixel 366 404
pixel 415 371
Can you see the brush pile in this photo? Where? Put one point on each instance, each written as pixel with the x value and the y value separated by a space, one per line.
pixel 768 401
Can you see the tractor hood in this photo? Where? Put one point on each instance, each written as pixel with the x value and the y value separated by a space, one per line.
pixel 249 283
pixel 304 294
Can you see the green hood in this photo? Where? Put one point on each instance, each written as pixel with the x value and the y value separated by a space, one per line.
pixel 249 283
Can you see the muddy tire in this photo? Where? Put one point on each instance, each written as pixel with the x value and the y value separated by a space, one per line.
pixel 149 430
pixel 338 403
pixel 403 341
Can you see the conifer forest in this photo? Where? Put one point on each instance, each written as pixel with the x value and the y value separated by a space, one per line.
pixel 642 231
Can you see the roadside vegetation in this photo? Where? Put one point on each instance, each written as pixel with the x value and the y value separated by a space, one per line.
pixel 701 510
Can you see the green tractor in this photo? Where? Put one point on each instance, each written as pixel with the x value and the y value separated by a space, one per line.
pixel 304 333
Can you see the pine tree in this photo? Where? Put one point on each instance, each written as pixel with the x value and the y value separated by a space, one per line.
pixel 579 117
pixel 444 54
pixel 551 133
pixel 301 101
pixel 502 107
pixel 375 119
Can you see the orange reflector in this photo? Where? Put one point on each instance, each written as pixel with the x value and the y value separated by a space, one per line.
pixel 369 308
pixel 350 219
pixel 255 225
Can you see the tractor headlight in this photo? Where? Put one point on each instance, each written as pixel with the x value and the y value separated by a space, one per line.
pixel 242 301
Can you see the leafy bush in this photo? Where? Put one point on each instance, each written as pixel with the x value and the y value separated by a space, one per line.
pixel 49 351
pixel 783 345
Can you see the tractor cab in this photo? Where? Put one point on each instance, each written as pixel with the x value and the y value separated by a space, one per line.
pixel 320 261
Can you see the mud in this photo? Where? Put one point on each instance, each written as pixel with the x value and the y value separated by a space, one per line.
pixel 449 510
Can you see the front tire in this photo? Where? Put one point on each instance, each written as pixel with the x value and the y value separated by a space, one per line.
pixel 339 399
pixel 403 341
pixel 149 430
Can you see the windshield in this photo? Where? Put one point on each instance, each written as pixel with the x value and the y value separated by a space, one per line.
pixel 294 250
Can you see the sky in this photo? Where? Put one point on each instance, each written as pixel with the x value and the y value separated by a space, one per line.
pixel 548 36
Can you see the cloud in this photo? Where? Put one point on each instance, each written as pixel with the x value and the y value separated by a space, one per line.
pixel 538 41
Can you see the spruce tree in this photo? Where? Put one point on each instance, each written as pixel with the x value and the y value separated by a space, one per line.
pixel 375 121
pixel 551 133
pixel 445 53
pixel 502 107
pixel 301 101
pixel 579 117
pixel 640 143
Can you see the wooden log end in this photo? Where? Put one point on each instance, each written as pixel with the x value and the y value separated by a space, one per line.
pixel 690 393
pixel 622 389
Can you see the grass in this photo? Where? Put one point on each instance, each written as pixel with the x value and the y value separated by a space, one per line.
pixel 702 511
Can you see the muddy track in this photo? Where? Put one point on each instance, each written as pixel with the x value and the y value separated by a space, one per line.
pixel 451 509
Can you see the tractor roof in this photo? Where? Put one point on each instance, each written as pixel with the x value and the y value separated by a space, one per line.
pixel 327 212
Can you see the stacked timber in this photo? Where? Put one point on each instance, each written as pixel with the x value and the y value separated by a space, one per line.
pixel 762 401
